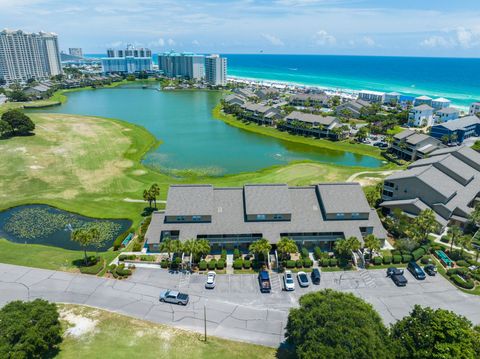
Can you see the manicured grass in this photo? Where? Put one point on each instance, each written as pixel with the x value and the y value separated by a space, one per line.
pixel 273 132
pixel 46 257
pixel 116 336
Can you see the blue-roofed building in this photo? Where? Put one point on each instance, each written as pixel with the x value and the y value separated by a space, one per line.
pixel 460 129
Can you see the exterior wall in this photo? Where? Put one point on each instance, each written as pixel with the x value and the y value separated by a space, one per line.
pixel 474 108
pixel 216 70
pixel 128 65
pixel 445 117
pixel 420 118
pixel 408 188
pixel 372 97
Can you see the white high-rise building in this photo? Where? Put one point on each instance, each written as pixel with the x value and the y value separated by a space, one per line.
pixel 185 64
pixel 216 70
pixel 129 61
pixel 75 51
pixel 24 56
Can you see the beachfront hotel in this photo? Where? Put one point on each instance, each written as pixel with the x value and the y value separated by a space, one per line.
pixel 216 70
pixel 316 215
pixel 128 61
pixel 25 56
pixel 372 96
pixel 185 65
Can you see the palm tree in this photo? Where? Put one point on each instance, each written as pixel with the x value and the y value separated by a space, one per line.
pixel 177 246
pixel 83 238
pixel 202 247
pixel 454 232
pixel 167 246
pixel 346 246
pixel 424 224
pixel 286 245
pixel 147 197
pixel 260 247
pixel 372 243
pixel 154 192
pixel 475 215
pixel 465 242
pixel 189 248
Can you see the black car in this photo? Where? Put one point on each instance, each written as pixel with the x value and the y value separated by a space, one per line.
pixel 397 276
pixel 315 276
pixel 415 269
pixel 430 269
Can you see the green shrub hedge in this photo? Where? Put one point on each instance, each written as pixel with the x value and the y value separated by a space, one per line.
pixel 93 269
pixel 377 260
pixel 317 253
pixel 396 258
pixel 425 260
pixel 118 241
pixel 462 263
pixel 467 284
pixel 406 258
pixel 220 264
pixel 236 253
pixel 137 246
pixel 247 264
pixel 387 259
pixel 333 262
pixel 445 239
pixel 460 271
pixel 237 264
pixel 290 264
pixel 212 264
pixel 325 262
pixel 418 253
pixel 202 265
pixel 164 263
pixel 304 253
pixel 307 263
pixel 299 263
pixel 224 254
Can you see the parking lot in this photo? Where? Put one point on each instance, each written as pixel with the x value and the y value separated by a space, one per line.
pixel 235 308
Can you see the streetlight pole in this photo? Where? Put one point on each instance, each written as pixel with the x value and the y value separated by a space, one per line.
pixel 205 321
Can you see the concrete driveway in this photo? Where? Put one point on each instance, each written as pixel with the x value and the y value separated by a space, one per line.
pixel 235 308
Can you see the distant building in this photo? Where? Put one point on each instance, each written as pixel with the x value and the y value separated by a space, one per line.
pixel 308 100
pixel 235 217
pixel 457 130
pixel 392 98
pixel 372 96
pixel 447 114
pixel 440 103
pixel 75 51
pixel 267 93
pixel 261 114
pixel 474 108
pixel 447 182
pixel 353 107
pixel 127 61
pixel 421 116
pixel 185 65
pixel 245 93
pixel 410 145
pixel 216 70
pixel 423 100
pixel 312 125
pixel 25 56
pixel 234 99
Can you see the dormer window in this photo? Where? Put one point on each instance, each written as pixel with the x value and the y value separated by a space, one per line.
pixel 261 217
pixel 340 215
pixel 356 214
pixel 196 218
pixel 180 218
pixel 278 216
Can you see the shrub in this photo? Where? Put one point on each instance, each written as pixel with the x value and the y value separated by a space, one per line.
pixel 92 269
pixel 221 264
pixel 238 264
pixel 462 263
pixel 145 258
pixel 212 264
pixel 224 254
pixel 291 264
pixel 333 262
pixel 299 263
pixel 317 253
pixel 304 253
pixel 307 263
pixel 176 263
pixel 460 271
pixel 325 262
pixel 377 260
pixel 137 247
pixel 387 259
pixel 247 264
pixel 445 239
pixel 164 263
pixel 121 271
pixel 406 258
pixel 425 260
pixel 476 275
pixel 418 253
pixel 236 253
pixel 464 283
pixel 395 252
pixel 118 241
pixel 396 258
pixel 202 265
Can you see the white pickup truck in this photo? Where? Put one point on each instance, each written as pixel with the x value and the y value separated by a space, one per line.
pixel 174 297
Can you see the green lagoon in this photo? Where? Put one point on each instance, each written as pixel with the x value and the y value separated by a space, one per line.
pixel 191 138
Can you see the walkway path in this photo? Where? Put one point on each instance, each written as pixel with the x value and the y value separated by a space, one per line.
pixel 383 173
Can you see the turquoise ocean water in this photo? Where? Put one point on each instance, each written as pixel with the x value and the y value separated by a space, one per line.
pixel 454 78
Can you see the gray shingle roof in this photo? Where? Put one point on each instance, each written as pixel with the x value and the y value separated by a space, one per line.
pixel 343 198
pixel 423 107
pixel 267 199
pixel 311 118
pixel 461 123
pixel 189 200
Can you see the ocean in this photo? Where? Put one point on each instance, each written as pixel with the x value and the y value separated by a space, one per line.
pixel 457 79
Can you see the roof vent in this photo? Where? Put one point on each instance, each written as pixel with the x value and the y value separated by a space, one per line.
pixel 220 209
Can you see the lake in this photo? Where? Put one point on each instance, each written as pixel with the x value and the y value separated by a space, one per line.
pixel 42 224
pixel 191 138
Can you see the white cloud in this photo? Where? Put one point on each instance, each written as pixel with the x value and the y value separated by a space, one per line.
pixel 367 40
pixel 195 43
pixel 171 42
pixel 158 43
pixel 436 41
pixel 459 37
pixel 273 40
pixel 324 38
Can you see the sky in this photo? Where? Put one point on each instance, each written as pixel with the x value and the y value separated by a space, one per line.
pixel 352 27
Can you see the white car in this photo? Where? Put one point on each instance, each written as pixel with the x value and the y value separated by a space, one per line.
pixel 288 281
pixel 210 284
pixel 302 279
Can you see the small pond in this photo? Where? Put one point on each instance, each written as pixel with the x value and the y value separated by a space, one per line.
pixel 42 224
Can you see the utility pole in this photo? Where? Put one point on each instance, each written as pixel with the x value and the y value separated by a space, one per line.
pixel 205 321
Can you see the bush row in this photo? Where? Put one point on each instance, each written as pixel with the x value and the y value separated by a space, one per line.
pixel 132 257
pixel 94 268
pixel 461 282
pixel 242 263
pixel 118 241
pixel 328 262
pixel 300 263
pixel 211 265
pixel 119 272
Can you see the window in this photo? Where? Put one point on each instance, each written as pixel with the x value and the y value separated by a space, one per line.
pixel 196 218
pixel 340 215
pixel 388 184
pixel 355 214
pixel 387 193
pixel 180 218
pixel 261 217
pixel 278 216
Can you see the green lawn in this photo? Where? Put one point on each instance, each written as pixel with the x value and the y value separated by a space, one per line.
pixel 273 132
pixel 110 335
pixel 47 257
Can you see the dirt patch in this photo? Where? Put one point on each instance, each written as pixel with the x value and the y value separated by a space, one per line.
pixel 79 325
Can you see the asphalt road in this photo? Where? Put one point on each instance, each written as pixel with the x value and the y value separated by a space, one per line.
pixel 235 308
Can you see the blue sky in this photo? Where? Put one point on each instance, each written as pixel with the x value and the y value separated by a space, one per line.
pixel 357 27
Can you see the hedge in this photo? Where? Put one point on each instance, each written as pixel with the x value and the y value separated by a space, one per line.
pixel 396 258
pixel 445 239
pixel 406 258
pixel 224 254
pixel 461 271
pixel 307 263
pixel 220 264
pixel 418 253
pixel 93 269
pixel 290 264
pixel 247 264
pixel 137 247
pixel 476 275
pixel 202 265
pixel 299 263
pixel 304 253
pixel 238 264
pixel 377 260
pixel 325 262
pixel 333 262
pixel 212 264
pixel 127 257
pixel 317 253
pixel 236 253
pixel 462 263
pixel 467 284
pixel 164 263
pixel 387 259
pixel 425 260
pixel 395 252
pixel 118 241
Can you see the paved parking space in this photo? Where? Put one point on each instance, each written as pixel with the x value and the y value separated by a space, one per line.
pixel 235 308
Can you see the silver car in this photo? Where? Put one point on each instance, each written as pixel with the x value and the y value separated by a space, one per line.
pixel 288 281
pixel 210 284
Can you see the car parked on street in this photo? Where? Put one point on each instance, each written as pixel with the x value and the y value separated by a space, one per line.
pixel 302 279
pixel 288 281
pixel 397 276
pixel 315 276
pixel 430 269
pixel 415 269
pixel 210 283
pixel 174 297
